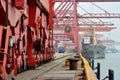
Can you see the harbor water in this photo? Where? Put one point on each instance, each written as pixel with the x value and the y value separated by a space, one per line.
pixel 111 61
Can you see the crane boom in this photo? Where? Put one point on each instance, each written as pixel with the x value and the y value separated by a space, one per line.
pixel 86 28
pixel 90 0
pixel 100 15
pixel 96 23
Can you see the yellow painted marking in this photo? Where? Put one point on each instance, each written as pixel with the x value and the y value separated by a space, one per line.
pixel 89 74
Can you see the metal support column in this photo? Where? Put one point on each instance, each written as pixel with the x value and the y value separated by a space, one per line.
pixel 111 74
pixel 6 12
pixel 75 25
pixel 92 63
pixel 98 71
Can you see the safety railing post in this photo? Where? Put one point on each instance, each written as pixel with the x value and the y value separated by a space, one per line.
pixel 98 71
pixel 111 74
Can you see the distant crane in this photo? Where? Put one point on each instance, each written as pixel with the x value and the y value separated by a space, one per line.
pixel 67 16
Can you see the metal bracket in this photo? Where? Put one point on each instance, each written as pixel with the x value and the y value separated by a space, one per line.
pixel 5 53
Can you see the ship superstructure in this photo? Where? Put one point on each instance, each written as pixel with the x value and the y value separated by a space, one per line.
pixel 91 47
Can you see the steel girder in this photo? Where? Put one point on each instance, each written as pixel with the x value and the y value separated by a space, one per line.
pixel 90 0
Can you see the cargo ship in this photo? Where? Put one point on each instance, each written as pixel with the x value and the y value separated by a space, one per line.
pixel 92 48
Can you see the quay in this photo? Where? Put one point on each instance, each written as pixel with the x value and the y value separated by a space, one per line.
pixel 59 69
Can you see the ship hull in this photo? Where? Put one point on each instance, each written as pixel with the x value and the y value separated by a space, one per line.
pixel 93 51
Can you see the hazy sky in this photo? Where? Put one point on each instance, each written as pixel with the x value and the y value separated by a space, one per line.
pixel 111 8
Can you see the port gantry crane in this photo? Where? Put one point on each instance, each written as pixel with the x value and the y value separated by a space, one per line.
pixel 66 22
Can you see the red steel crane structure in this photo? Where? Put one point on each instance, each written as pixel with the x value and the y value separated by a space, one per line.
pixel 66 22
pixel 26 38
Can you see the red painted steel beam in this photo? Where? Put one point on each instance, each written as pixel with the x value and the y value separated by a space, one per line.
pixel 85 28
pixel 96 23
pixel 87 23
pixel 88 12
pixel 64 23
pixel 61 8
pixel 68 20
pixel 98 29
pixel 3 16
pixel 96 15
pixel 90 0
pixel 64 12
pixel 60 35
pixel 97 35
pixel 100 15
pixel 68 11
